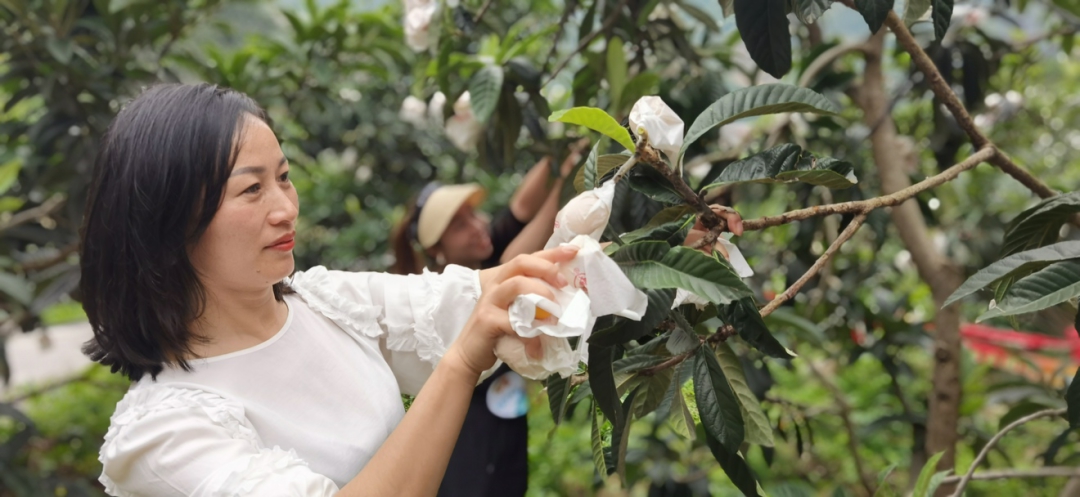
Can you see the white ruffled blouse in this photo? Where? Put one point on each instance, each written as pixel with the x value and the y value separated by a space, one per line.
pixel 301 413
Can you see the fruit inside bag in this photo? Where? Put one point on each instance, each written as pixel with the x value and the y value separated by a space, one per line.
pixel 585 214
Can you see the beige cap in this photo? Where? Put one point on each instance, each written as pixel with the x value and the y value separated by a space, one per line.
pixel 440 207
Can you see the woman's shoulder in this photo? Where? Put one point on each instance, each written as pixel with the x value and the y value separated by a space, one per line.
pixel 148 401
pixel 343 297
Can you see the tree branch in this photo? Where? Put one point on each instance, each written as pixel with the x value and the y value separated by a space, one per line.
pixel 818 265
pixel 608 23
pixel 849 426
pixel 945 93
pixel 483 10
pixel 993 441
pixel 858 206
pixel 47 207
pixel 1053 471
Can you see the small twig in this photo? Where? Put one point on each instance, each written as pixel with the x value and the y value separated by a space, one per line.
pixel 670 363
pixel 854 207
pixel 47 207
pixel 849 426
pixel 827 58
pixel 625 168
pixel 571 5
pixel 1058 471
pixel 608 23
pixel 818 265
pixel 993 441
pixel 483 10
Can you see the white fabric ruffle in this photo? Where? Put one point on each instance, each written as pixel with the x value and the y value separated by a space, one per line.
pixel 317 287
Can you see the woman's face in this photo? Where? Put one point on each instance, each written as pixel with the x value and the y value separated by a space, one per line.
pixel 248 244
pixel 466 240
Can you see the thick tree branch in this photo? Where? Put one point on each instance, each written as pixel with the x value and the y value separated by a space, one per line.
pixel 858 206
pixel 818 265
pixel 993 441
pixel 945 93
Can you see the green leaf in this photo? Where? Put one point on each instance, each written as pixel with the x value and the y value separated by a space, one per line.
pixel 763 25
pixel 485 87
pixel 598 445
pixel 652 183
pixel 681 421
pixel 716 402
pixel 61 49
pixel 734 466
pixel 623 330
pixel 883 476
pixel 19 289
pixel 809 11
pixel 588 172
pixel 758 428
pixel 620 434
pixel 914 10
pixel 596 120
pixel 1044 288
pixel 11 204
pixel 558 389
pixel 674 233
pixel 602 382
pixel 616 69
pixel 645 83
pixel 9 172
pixel 942 17
pixel 787 163
pixel 635 363
pixel 787 319
pixel 874 12
pixel 604 165
pixel 756 101
pixel 922 485
pixel 658 265
pixel 1072 399
pixel 745 317
pixel 1032 258
pixel 653 389
pixel 1039 225
pixel 703 17
pixel 1020 410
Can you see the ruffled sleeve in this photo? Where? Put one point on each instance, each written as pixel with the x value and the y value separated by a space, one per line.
pixel 415 317
pixel 170 441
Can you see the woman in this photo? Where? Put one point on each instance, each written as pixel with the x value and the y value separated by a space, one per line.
pixel 491 457
pixel 248 382
pixel 242 387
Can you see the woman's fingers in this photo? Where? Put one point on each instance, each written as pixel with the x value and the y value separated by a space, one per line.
pixel 504 294
pixel 543 265
pixel 730 217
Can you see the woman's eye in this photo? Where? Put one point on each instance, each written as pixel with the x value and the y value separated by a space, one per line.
pixel 284 177
pixel 253 188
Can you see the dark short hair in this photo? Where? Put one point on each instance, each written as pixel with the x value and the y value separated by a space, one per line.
pixel 158 181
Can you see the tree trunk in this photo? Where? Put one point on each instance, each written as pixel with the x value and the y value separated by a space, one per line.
pixel 939 272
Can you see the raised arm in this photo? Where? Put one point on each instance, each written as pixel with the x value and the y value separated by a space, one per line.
pixel 413 459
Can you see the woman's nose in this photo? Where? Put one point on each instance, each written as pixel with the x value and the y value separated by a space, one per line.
pixel 286 207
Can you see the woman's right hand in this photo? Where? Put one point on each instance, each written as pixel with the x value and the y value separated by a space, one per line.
pixel 524 274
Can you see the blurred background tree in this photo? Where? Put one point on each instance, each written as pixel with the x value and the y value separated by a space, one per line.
pixel 335 76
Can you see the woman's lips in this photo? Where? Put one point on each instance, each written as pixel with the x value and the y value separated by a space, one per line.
pixel 285 243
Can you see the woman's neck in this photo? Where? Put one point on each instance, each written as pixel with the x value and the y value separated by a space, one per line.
pixel 235 320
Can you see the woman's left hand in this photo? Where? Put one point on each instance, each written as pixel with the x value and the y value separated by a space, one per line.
pixel 734 225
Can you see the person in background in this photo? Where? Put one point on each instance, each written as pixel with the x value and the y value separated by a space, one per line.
pixel 491 455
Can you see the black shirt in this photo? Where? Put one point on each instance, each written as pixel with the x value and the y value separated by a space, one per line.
pixel 491 458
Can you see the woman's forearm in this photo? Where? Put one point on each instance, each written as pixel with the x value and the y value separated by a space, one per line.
pixel 413 459
pixel 535 234
pixel 530 195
